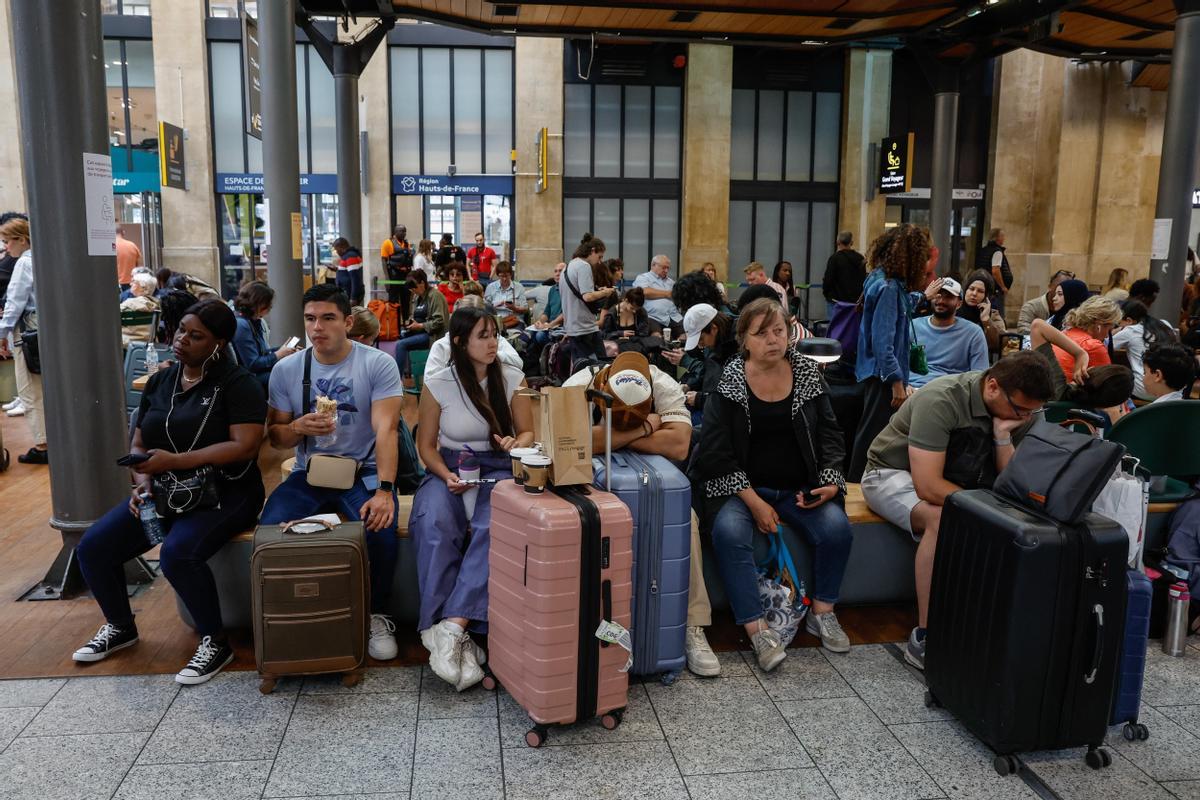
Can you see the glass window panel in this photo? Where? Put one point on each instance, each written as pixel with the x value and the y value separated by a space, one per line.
pixel 577 130
pixel 435 90
pixel 143 118
pixel 302 107
pixel 109 7
pixel 637 131
pixel 740 212
pixel 406 104
pixel 497 216
pixel 766 233
pixel 216 8
pixel 226 87
pixel 795 241
pixel 608 132
pixel 770 135
pixel 667 124
pixel 253 154
pixel 468 112
pixel 321 114
pixel 635 246
pixel 799 136
pixel 666 232
pixel 114 89
pixel 821 244
pixel 498 102
pixel 825 155
pixel 577 220
pixel 606 222
pixel 233 213
pixel 741 149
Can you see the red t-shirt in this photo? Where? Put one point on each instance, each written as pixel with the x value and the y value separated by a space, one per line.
pixel 487 256
pixel 1097 352
pixel 451 296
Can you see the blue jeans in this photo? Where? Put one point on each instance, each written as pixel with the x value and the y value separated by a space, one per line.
pixel 412 341
pixel 295 499
pixel 452 561
pixel 191 540
pixel 825 527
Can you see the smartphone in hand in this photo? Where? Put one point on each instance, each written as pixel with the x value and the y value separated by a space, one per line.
pixel 132 459
pixel 292 342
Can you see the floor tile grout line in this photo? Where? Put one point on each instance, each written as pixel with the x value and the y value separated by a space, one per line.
pixel 142 749
pixel 412 770
pixel 207 761
pixel 282 737
pixel 40 708
pixel 499 742
pixel 667 740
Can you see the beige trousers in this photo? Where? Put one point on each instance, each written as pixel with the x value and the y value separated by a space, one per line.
pixel 29 389
pixel 699 608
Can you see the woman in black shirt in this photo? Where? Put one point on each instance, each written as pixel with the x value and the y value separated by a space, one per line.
pixel 202 413
pixel 771 452
pixel 628 318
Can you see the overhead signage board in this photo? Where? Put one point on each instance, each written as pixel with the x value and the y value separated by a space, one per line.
pixel 170 155
pixel 452 184
pixel 895 165
pixel 252 76
pixel 252 183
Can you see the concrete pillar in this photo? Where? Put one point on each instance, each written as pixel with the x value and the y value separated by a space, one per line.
pixel 539 231
pixel 12 179
pixel 707 113
pixel 345 103
pixel 377 183
pixel 1178 169
pixel 945 162
pixel 866 111
pixel 189 217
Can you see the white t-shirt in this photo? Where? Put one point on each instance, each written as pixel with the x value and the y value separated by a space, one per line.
pixel 1133 341
pixel 669 402
pixel 460 424
pixel 439 355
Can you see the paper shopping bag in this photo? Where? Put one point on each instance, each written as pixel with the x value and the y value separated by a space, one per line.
pixel 566 434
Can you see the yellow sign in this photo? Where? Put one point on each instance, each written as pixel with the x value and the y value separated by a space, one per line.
pixel 297 237
pixel 170 156
pixel 542 143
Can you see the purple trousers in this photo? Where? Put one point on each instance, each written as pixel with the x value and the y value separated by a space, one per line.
pixel 452 559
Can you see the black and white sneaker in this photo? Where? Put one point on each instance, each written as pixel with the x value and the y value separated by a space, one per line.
pixel 210 658
pixel 108 640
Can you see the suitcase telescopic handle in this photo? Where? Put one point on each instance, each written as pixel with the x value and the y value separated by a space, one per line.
pixel 1098 612
pixel 607 400
pixel 288 527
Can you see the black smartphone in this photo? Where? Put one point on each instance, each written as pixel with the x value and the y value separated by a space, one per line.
pixel 132 459
pixel 809 498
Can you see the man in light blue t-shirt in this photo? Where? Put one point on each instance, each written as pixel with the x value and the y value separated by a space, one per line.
pixel 952 345
pixel 657 284
pixel 365 383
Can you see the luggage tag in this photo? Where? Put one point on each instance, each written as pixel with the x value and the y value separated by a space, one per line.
pixel 615 633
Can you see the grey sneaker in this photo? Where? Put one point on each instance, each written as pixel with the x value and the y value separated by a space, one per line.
pixel 768 649
pixel 915 652
pixel 701 660
pixel 827 628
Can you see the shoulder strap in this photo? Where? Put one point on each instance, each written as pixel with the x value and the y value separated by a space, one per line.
pixel 571 286
pixel 306 392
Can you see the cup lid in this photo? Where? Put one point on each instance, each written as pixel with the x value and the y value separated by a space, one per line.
pixel 521 452
pixel 536 461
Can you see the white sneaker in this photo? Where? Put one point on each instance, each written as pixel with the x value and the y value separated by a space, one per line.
pixel 11 404
pixel 17 411
pixel 382 644
pixel 827 628
pixel 445 653
pixel 768 649
pixel 701 660
pixel 471 656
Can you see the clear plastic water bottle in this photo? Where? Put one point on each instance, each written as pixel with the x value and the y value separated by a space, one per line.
pixel 151 359
pixel 151 521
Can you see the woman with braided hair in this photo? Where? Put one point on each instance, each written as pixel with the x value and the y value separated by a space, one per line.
pixel 899 260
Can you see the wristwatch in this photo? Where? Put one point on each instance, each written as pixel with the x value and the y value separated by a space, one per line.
pixel 387 486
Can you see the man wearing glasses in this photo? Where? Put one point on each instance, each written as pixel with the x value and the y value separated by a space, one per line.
pixel 904 480
pixel 1042 306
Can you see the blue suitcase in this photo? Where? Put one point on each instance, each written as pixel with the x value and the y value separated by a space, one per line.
pixel 1131 668
pixel 659 497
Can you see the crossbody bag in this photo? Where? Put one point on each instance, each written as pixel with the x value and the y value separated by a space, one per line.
pixel 323 470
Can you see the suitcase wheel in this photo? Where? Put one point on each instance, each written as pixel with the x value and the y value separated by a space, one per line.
pixel 1097 758
pixel 612 719
pixel 1006 765
pixel 3 460
pixel 931 701
pixel 1135 732
pixel 267 685
pixel 536 736
pixel 352 679
pixel 489 681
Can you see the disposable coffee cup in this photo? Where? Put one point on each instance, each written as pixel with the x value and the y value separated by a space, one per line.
pixel 518 453
pixel 537 473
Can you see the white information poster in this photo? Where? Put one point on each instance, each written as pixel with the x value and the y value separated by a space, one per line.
pixel 101 219
pixel 1160 246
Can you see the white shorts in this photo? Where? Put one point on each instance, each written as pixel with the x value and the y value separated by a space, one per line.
pixel 890 494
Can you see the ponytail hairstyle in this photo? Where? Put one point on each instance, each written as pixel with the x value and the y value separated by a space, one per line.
pixel 493 406
pixel 587 245
pixel 903 252
pixel 1154 330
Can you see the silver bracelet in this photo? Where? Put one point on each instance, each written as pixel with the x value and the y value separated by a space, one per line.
pixel 1002 442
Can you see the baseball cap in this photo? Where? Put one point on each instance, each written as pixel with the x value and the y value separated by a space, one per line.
pixel 951 286
pixel 695 321
pixel 628 380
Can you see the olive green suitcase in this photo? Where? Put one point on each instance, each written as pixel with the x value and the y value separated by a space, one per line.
pixel 309 591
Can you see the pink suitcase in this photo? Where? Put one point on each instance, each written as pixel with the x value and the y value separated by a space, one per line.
pixel 560 562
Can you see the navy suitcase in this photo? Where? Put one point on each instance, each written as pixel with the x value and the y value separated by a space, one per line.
pixel 1026 617
pixel 659 497
pixel 1127 702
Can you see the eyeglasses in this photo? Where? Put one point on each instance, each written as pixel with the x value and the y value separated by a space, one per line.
pixel 1021 411
pixel 1065 274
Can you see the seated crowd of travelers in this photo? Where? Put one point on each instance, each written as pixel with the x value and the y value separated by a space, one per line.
pixel 734 404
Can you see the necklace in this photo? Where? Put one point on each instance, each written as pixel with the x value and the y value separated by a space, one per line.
pixel 188 380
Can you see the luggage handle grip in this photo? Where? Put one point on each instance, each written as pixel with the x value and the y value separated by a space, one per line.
pixel 287 528
pixel 1098 610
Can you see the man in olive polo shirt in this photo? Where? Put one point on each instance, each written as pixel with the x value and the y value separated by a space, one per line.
pixel 903 482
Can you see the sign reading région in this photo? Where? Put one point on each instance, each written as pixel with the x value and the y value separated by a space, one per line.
pixel 452 184
pixel 895 165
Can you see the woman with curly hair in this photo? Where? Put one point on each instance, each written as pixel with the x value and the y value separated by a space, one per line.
pixel 898 258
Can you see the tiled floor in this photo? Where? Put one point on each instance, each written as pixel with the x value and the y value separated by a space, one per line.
pixel 822 726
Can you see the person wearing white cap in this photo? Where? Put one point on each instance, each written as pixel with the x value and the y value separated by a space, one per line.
pixel 709 337
pixel 952 345
pixel 650 416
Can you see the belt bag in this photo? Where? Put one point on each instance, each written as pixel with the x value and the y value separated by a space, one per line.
pixel 332 472
pixel 1059 472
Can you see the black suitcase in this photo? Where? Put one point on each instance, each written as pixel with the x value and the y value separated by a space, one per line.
pixel 1026 622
